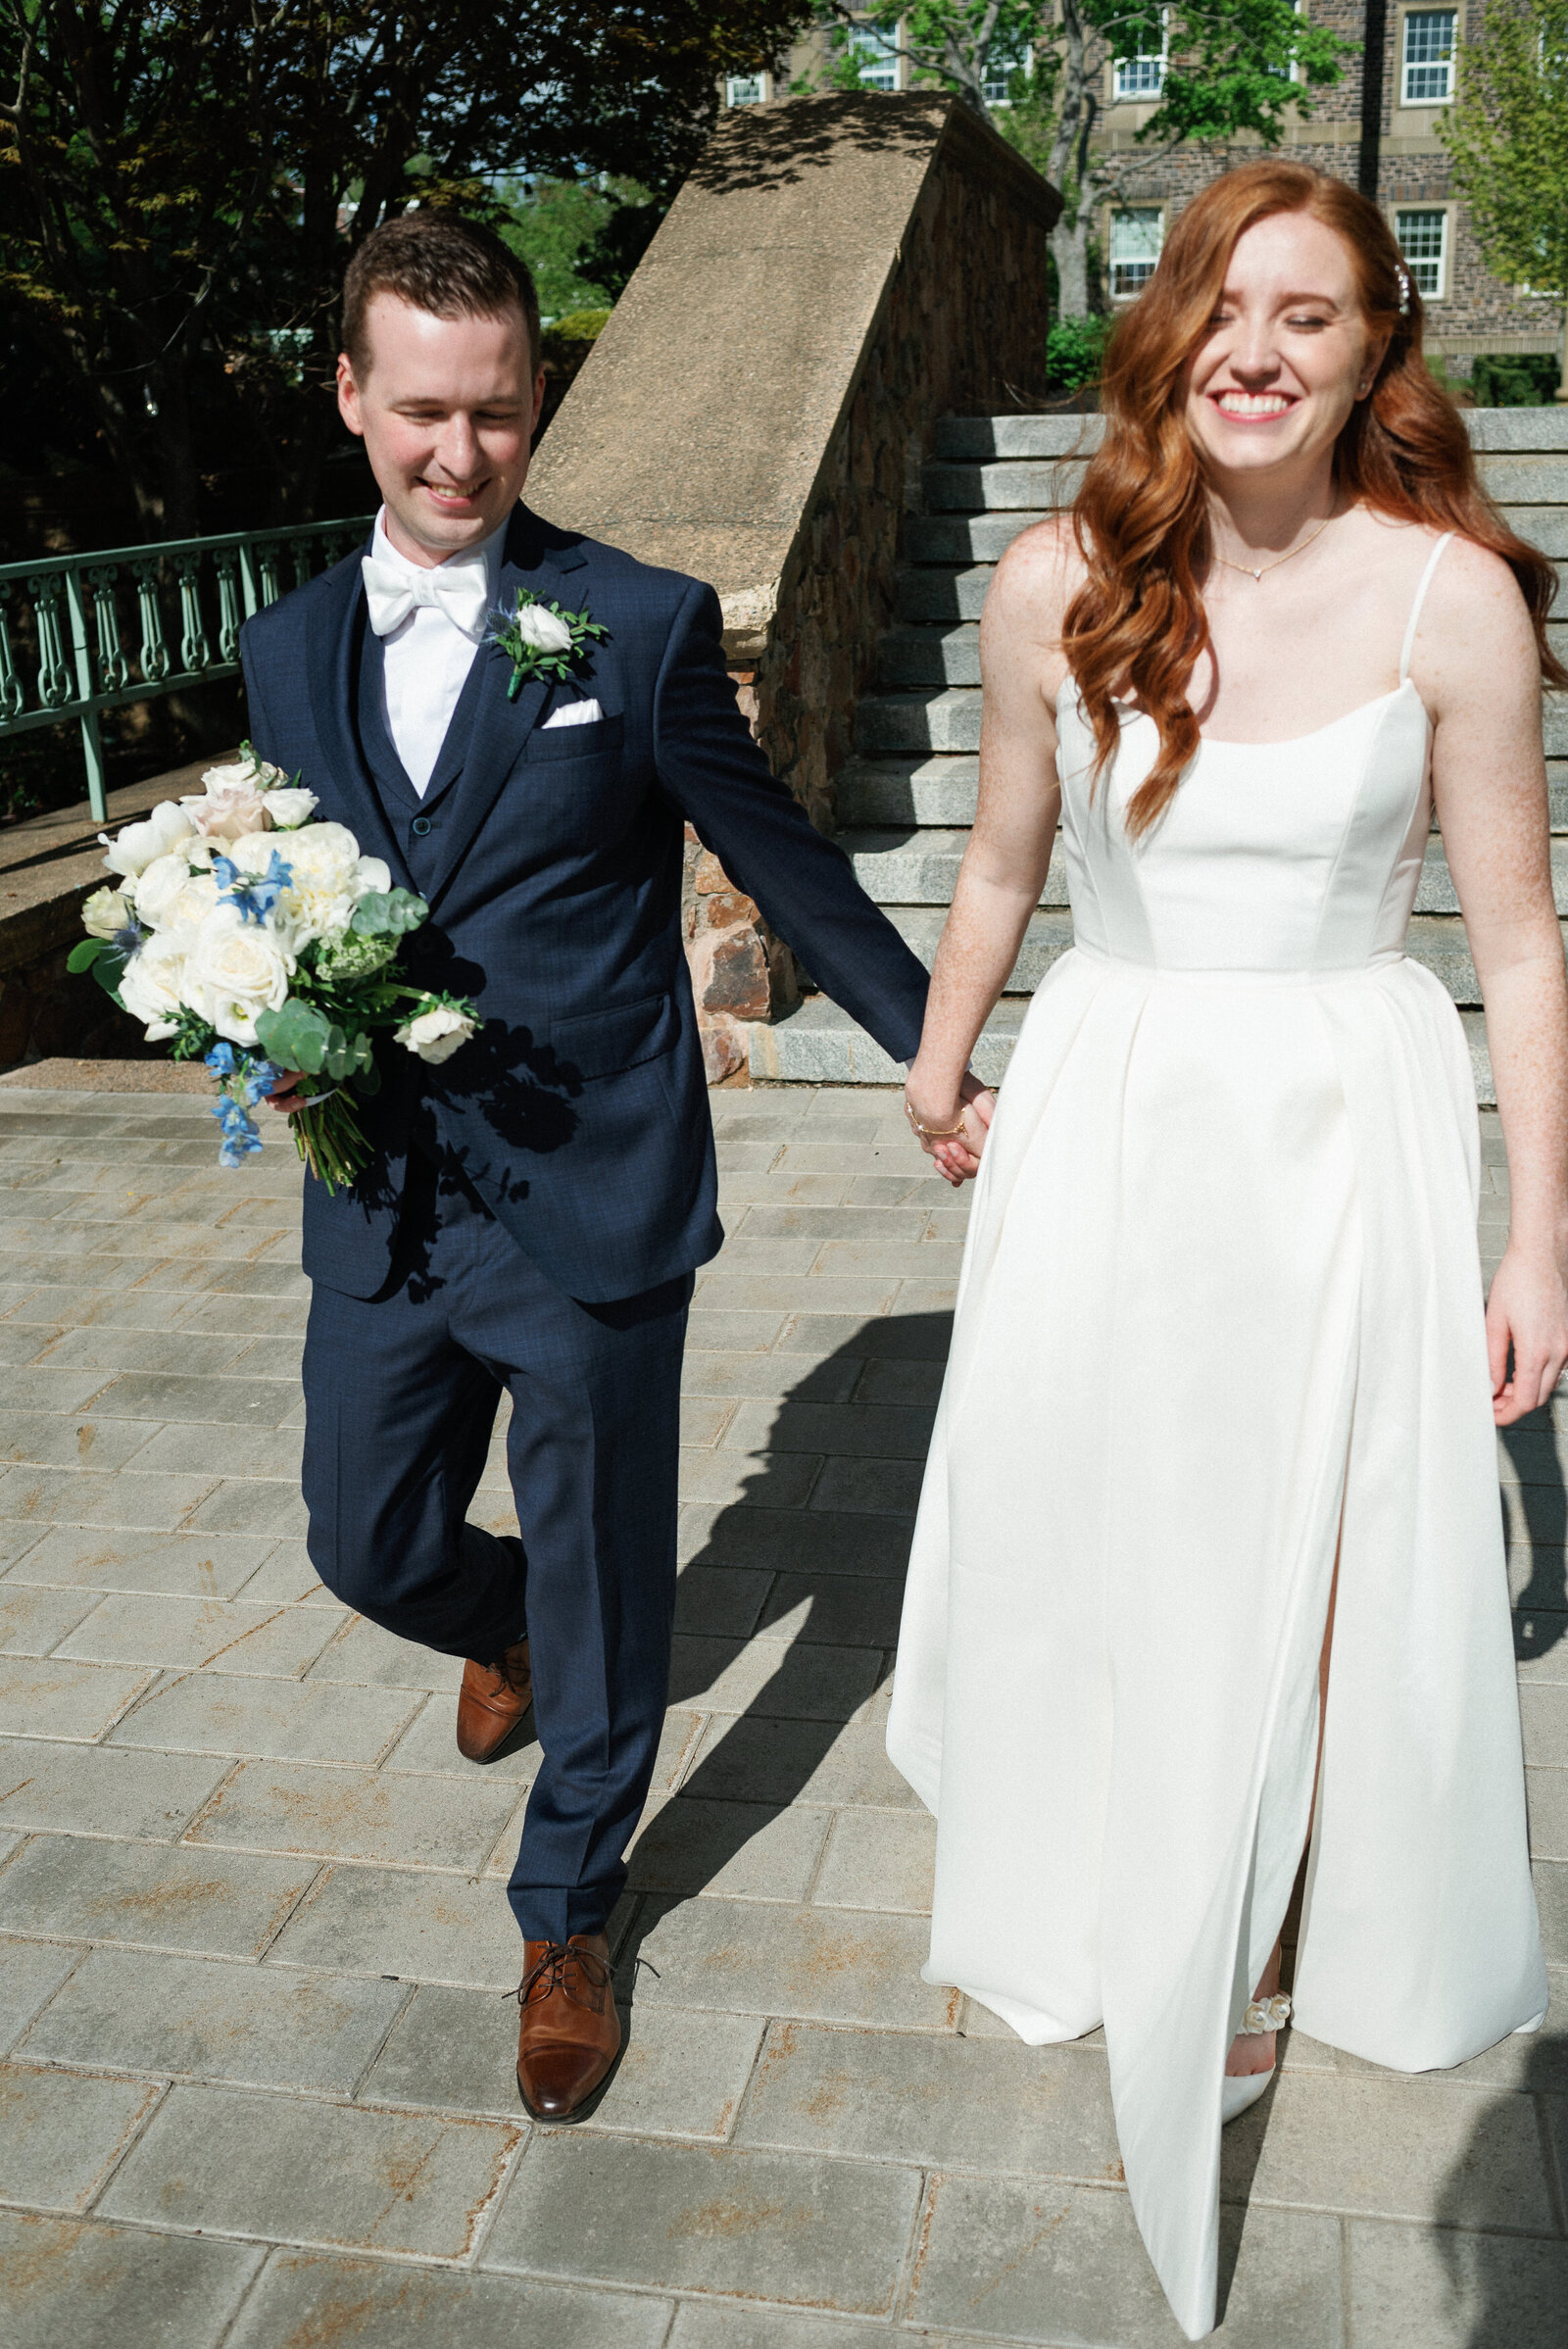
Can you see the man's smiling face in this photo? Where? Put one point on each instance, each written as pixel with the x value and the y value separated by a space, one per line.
pixel 447 408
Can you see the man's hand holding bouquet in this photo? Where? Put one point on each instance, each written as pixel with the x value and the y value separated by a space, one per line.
pixel 243 933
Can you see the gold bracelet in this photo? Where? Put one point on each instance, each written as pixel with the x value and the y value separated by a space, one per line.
pixel 933 1133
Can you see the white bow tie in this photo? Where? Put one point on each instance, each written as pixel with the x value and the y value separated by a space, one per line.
pixel 460 591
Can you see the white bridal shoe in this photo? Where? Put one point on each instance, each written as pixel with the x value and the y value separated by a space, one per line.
pixel 1241 2094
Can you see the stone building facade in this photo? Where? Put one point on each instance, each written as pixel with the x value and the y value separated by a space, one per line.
pixel 1469 310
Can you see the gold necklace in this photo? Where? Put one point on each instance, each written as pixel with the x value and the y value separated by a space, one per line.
pixel 1258 572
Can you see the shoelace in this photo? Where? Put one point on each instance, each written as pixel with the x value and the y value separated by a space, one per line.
pixel 552 1968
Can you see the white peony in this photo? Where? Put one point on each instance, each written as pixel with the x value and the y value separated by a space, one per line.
pixel 105 912
pixel 435 1035
pixel 323 856
pixel 237 969
pixel 372 877
pixel 152 987
pixel 133 849
pixel 254 851
pixel 545 630
pixel 291 806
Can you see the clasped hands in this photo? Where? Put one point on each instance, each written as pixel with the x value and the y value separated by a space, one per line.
pixel 956 1152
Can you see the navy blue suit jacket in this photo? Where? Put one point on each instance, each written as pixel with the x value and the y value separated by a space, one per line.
pixel 552 869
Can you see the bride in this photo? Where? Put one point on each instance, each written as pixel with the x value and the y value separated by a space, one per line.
pixel 1209 1565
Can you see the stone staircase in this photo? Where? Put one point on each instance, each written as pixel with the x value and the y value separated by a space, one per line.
pixel 906 800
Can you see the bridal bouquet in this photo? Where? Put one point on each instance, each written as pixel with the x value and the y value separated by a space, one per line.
pixel 242 932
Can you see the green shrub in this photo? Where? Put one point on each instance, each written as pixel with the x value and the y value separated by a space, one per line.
pixel 1516 379
pixel 1074 349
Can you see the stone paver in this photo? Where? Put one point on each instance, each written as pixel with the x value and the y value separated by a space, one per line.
pixel 257 2084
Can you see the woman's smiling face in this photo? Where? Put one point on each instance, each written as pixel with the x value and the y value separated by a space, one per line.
pixel 1288 352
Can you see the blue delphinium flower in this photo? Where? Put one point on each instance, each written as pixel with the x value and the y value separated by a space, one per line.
pixel 240 1134
pixel 254 897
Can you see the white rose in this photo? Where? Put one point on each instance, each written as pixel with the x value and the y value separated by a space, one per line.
pixel 152 987
pixel 160 888
pixel 227 809
pixel 247 773
pixel 237 969
pixel 290 807
pixel 133 849
pixel 105 912
pixel 196 899
pixel 435 1035
pixel 545 630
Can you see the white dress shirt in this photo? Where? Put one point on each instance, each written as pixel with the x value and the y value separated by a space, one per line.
pixel 427 659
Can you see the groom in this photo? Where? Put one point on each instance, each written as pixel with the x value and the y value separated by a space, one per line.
pixel 536 1204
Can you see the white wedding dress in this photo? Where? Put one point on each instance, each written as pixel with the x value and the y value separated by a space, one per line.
pixel 1220 1312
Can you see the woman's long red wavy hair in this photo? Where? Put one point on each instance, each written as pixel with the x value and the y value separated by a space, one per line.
pixel 1136 625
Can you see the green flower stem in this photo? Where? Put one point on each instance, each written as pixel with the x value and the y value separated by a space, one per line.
pixel 329 1138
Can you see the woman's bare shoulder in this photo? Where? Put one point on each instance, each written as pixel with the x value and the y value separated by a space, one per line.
pixel 1027 602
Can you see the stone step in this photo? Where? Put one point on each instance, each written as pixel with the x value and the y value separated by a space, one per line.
pixel 1041 483
pixel 942 594
pixel 1436 941
pixel 818 1043
pixel 939 593
pixel 925 655
pixel 964 538
pixel 957 540
pixel 899 794
pixel 902 723
pixel 921 868
pixel 977 439
pixel 906 724
pixel 1015 483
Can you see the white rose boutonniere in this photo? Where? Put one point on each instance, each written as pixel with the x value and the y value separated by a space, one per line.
pixel 541 640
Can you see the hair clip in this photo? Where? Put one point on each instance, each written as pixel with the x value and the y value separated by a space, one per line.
pixel 1403 277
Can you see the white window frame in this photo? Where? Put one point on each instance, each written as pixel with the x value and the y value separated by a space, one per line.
pixel 1411 66
pixel 877 52
pixel 1139 65
pixel 1416 263
pixel 1000 70
pixel 759 85
pixel 1119 211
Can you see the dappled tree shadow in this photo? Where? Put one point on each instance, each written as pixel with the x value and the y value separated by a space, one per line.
pixel 772 148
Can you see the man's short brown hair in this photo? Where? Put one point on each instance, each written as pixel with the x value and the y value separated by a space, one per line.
pixel 437 263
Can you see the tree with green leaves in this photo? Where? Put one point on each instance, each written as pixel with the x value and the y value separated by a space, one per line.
pixel 1237 65
pixel 181 187
pixel 1508 132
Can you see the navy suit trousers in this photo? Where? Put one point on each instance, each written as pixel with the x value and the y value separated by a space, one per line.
pixel 402 1392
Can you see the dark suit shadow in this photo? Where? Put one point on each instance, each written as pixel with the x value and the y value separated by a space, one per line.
pixel 1535 1520
pixel 1504 2291
pixel 765 1557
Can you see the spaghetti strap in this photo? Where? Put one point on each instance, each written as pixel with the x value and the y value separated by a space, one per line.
pixel 1408 647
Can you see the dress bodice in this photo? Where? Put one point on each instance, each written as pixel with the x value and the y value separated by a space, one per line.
pixel 1297 856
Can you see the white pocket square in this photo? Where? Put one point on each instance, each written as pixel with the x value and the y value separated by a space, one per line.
pixel 573 713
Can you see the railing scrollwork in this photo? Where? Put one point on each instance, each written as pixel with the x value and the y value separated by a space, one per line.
pixel 66 622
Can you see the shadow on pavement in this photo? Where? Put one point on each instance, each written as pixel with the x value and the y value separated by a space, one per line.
pixel 847 1568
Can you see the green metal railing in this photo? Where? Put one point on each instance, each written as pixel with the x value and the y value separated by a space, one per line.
pixel 68 609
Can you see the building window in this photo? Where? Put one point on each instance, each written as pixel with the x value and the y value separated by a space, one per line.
pixel 1143 77
pixel 746 89
pixel 1424 241
pixel 998 73
pixel 1428 75
pixel 1136 238
pixel 875 57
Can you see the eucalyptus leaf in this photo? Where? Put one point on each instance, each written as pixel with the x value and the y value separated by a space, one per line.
pixel 384 910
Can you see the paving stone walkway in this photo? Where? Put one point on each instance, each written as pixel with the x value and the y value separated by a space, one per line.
pixel 257 2086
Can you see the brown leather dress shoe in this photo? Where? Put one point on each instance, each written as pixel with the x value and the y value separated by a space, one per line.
pixel 570 2033
pixel 493 1700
